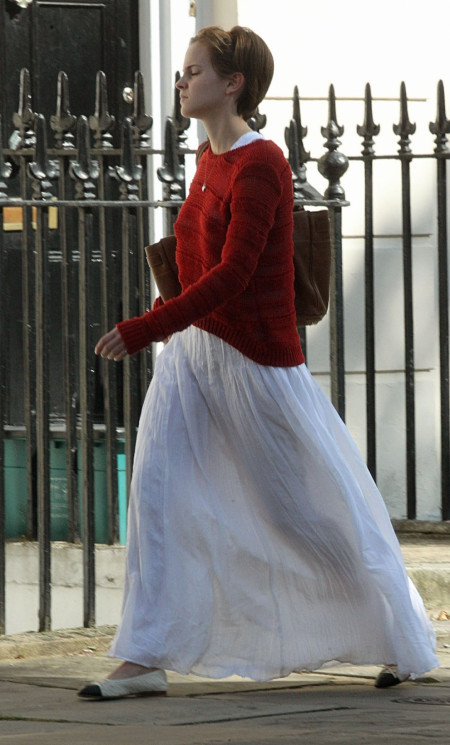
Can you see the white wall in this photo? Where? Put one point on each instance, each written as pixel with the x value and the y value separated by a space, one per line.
pixel 315 44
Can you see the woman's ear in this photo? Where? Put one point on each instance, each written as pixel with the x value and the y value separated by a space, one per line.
pixel 235 82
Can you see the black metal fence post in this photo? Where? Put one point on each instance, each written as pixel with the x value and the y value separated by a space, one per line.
pixel 63 124
pixel 129 174
pixel 332 166
pixel 142 123
pixel 404 129
pixel 24 121
pixel 441 128
pixel 41 171
pixel 101 123
pixel 368 131
pixel 5 173
pixel 84 172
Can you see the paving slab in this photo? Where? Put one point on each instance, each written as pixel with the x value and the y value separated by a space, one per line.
pixel 38 705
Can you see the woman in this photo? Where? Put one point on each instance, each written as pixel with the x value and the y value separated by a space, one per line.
pixel 258 543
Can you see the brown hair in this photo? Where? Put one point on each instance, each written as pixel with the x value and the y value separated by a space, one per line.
pixel 240 50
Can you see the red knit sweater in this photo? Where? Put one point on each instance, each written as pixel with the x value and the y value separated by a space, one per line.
pixel 234 254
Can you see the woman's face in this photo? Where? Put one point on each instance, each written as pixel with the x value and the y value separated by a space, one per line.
pixel 202 90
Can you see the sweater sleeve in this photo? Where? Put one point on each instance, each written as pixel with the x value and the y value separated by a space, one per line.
pixel 255 196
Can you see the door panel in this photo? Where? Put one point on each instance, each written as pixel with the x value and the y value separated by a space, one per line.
pixel 77 37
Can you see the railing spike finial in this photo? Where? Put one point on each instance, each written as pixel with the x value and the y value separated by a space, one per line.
pixel 24 119
pixel 140 120
pixel 300 131
pixel 302 189
pixel 5 168
pixel 332 117
pixel 172 172
pixel 84 170
pixel 369 129
pixel 42 170
pixel 333 164
pixel 101 122
pixel 258 121
pixel 404 128
pixel 128 172
pixel 63 122
pixel 441 127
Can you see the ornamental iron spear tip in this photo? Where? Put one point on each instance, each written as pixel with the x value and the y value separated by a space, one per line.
pixel 24 119
pixel 101 122
pixel 5 168
pixel 172 172
pixel 42 170
pixel 140 120
pixel 369 129
pixel 84 170
pixel 441 127
pixel 300 130
pixel 302 189
pixel 63 122
pixel 257 121
pixel 128 172
pixel 404 128
pixel 333 164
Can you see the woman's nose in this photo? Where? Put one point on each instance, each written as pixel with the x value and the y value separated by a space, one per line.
pixel 180 83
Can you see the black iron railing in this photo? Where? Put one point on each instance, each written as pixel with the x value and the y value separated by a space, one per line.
pixel 75 264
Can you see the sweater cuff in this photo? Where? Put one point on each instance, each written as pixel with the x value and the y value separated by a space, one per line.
pixel 135 333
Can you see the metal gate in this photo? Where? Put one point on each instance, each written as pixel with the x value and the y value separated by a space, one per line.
pixel 77 265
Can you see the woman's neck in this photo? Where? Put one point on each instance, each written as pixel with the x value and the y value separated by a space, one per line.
pixel 223 134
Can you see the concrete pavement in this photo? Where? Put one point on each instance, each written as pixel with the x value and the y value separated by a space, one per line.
pixel 41 673
pixel 339 706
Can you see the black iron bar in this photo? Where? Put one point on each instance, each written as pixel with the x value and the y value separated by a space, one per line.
pixel 131 397
pixel 443 281
pixel 337 362
pixel 441 128
pixel 68 330
pixel 144 290
pixel 404 129
pixel 108 289
pixel 42 418
pixel 409 342
pixel 368 131
pixel 86 367
pixel 29 353
pixel 370 320
pixel 3 400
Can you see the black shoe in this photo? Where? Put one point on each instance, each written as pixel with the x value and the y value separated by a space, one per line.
pixel 389 676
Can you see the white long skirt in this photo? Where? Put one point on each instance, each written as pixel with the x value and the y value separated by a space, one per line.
pixel 258 543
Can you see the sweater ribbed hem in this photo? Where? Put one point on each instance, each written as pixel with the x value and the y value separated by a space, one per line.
pixel 275 355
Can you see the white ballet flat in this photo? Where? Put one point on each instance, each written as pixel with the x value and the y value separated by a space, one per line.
pixel 149 684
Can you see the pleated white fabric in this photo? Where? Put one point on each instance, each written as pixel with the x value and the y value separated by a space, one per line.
pixel 258 542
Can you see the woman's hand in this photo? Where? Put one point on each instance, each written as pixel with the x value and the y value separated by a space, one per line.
pixel 111 346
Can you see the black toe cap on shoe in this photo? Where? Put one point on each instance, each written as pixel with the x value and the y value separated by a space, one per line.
pixel 386 680
pixel 90 691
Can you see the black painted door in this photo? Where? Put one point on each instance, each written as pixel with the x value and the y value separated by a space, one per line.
pixel 79 38
pixel 48 36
